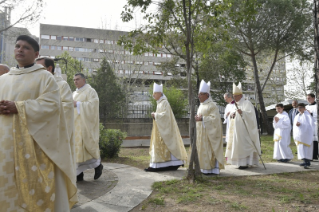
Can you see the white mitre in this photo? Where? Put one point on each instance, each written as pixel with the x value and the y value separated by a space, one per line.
pixel 204 87
pixel 157 88
pixel 237 90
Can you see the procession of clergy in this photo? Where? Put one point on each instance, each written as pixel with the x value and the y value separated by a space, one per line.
pixel 49 136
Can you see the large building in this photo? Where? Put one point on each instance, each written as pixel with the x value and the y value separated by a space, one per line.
pixel 90 46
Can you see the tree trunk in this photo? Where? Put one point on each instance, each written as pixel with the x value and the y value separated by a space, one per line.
pixel 260 95
pixel 316 46
pixel 192 174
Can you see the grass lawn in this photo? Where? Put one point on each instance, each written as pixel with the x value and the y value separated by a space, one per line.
pixel 278 192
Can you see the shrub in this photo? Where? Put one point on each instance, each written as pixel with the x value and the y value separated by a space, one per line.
pixel 110 142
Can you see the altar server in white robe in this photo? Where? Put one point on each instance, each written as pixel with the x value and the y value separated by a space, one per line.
pixel 312 109
pixel 243 146
pixel 282 127
pixel 167 149
pixel 4 69
pixel 303 135
pixel 37 172
pixel 209 140
pixel 87 131
pixel 230 104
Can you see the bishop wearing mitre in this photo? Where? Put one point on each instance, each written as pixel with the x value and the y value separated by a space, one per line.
pixel 209 130
pixel 243 146
pixel 167 149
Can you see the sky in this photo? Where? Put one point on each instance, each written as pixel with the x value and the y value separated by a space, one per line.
pixel 104 14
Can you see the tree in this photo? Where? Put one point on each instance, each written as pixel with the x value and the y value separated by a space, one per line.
pixel 279 29
pixel 182 22
pixel 176 99
pixel 299 78
pixel 26 12
pixel 110 94
pixel 72 67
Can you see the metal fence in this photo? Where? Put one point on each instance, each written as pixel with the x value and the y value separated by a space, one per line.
pixel 144 111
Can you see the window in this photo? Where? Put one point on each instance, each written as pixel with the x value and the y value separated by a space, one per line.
pixel 71 49
pixel 129 62
pixel 157 64
pixel 146 54
pixel 79 39
pixel 96 60
pixel 101 50
pixel 59 47
pixel 65 38
pixel 110 51
pixel 101 41
pixel 80 59
pixel 158 73
pixel 96 40
pixel 87 59
pixel 138 63
pixel 168 55
pixel 128 72
pixel 45 36
pixel 146 63
pixel 163 55
pixel 53 37
pixel 169 74
pixel 109 42
pixel 71 38
pixel 183 65
pixel 159 55
pixel 44 47
pixel 88 40
pixel 53 47
pixel 59 37
pixel 76 49
pixel 82 49
pixel 65 48
pixel 121 71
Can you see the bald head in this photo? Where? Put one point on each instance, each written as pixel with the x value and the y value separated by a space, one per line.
pixel 4 69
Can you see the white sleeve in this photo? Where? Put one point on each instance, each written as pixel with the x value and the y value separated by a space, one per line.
pixel 78 103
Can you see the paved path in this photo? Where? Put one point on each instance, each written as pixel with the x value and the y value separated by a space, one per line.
pixel 123 187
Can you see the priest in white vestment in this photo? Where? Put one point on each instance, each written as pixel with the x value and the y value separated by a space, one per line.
pixel 282 128
pixel 230 104
pixel 37 170
pixel 243 147
pixel 66 98
pixel 167 149
pixel 209 140
pixel 312 109
pixel 303 135
pixel 87 131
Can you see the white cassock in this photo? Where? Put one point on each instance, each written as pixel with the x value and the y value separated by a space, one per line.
pixel 282 137
pixel 243 146
pixel 303 135
pixel 229 108
pixel 313 110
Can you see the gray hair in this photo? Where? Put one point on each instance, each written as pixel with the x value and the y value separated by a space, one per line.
pixel 229 95
pixel 7 67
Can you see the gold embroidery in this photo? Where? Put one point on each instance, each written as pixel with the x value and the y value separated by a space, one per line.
pixel 34 195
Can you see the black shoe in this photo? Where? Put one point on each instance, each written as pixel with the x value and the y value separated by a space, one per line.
pixel 80 177
pixel 280 160
pixel 285 160
pixel 150 169
pixel 308 162
pixel 98 172
pixel 173 168
pixel 303 164
pixel 242 167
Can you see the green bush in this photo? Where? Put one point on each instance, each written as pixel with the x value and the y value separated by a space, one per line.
pixel 110 142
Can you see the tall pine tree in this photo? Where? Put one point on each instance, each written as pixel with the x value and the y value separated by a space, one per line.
pixel 110 94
